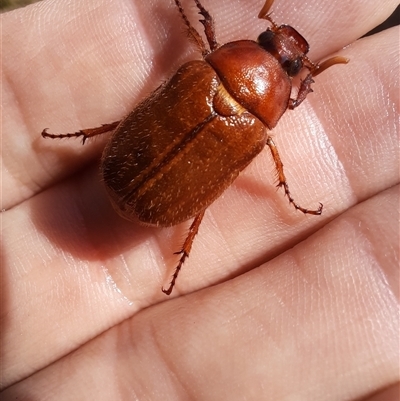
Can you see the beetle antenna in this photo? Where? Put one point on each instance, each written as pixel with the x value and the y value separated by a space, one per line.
pixel 320 67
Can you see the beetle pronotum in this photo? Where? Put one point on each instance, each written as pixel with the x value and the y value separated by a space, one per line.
pixel 180 148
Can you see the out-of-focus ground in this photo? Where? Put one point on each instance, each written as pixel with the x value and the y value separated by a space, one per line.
pixel 7 5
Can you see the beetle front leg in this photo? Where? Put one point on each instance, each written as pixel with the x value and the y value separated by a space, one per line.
pixel 304 90
pixel 282 180
pixel 193 34
pixel 184 252
pixel 85 133
pixel 208 24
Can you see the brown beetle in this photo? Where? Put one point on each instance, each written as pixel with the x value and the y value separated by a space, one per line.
pixel 172 156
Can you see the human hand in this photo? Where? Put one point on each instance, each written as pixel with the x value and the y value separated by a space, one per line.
pixel 301 306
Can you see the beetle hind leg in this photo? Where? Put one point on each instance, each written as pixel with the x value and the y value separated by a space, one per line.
pixel 84 133
pixel 283 183
pixel 184 252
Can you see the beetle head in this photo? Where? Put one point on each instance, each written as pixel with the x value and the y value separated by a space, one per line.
pixel 287 46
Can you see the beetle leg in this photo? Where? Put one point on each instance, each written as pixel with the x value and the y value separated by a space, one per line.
pixel 282 180
pixel 194 35
pixel 316 69
pixel 184 252
pixel 86 133
pixel 304 90
pixel 264 12
pixel 208 24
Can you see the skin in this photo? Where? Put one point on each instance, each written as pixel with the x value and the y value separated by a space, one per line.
pixel 271 304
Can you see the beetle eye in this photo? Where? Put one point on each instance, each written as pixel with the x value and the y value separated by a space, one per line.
pixel 265 40
pixel 292 67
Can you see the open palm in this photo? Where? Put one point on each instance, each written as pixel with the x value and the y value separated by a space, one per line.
pixel 271 304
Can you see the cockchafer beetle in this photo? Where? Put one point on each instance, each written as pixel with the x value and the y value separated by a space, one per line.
pixel 180 148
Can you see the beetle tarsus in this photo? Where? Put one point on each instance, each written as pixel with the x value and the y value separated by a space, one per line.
pixel 177 270
pixel 282 180
pixel 76 134
pixel 193 34
pixel 208 24
pixel 85 133
pixel 316 212
pixel 265 11
pixel 187 246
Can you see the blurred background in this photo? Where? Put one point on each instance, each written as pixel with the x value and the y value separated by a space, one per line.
pixel 8 5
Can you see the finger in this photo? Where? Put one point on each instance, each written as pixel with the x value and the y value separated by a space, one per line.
pixel 320 321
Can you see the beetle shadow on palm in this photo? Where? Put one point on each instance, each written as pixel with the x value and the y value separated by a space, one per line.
pixel 77 219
